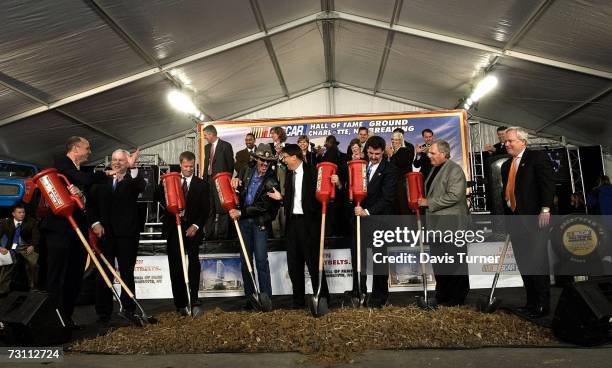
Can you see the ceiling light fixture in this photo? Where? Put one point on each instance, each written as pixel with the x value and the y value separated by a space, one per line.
pixel 182 102
pixel 486 85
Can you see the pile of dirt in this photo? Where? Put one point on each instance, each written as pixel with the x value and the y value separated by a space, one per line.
pixel 336 337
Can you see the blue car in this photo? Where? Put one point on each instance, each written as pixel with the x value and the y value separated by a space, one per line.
pixel 13 178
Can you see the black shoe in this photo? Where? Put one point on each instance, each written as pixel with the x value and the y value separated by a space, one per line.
pixel 131 317
pixel 526 309
pixel 103 318
pixel 248 306
pixel 374 302
pixel 196 303
pixel 184 312
pixel 539 312
pixel 298 305
pixel 73 326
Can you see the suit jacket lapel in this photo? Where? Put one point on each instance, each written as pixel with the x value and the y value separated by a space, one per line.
pixel 524 161
pixel 305 180
pixel 435 181
pixel 123 181
pixel 191 189
pixel 11 233
pixel 377 173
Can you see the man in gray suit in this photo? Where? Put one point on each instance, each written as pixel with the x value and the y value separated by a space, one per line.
pixel 446 209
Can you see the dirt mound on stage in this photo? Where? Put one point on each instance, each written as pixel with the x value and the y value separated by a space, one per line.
pixel 333 338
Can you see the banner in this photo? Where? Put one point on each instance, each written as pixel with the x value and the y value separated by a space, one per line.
pixel 221 276
pixel 481 275
pixel 151 278
pixel 450 126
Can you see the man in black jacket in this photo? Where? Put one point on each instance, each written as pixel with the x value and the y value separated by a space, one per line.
pixel 421 160
pixel 21 235
pixel 65 253
pixel 218 157
pixel 256 210
pixel 112 214
pixel 192 224
pixel 379 201
pixel 528 190
pixel 498 148
pixel 303 216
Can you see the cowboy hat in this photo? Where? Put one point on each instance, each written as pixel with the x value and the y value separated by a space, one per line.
pixel 264 152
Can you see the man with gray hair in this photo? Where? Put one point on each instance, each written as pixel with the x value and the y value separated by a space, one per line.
pixel 528 191
pixel 112 214
pixel 446 209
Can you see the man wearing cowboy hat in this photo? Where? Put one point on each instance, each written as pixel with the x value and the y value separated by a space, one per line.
pixel 255 211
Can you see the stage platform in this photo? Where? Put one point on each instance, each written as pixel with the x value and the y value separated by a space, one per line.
pixel 556 353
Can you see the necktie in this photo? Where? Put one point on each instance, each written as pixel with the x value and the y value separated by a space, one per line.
pixel 17 236
pixel 510 186
pixel 211 160
pixel 184 186
pixel 114 184
pixel 368 171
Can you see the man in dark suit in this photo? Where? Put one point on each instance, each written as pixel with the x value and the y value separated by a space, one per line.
pixel 20 236
pixel 303 219
pixel 446 210
pixel 421 160
pixel 243 157
pixel 65 253
pixel 528 190
pixel 112 214
pixel 219 157
pixel 192 223
pixel 381 179
pixel 498 148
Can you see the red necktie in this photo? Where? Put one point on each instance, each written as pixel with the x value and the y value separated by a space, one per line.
pixel 184 187
pixel 212 158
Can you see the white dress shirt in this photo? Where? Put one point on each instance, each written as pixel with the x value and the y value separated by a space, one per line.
pixel 298 176
pixel 373 168
pixel 17 223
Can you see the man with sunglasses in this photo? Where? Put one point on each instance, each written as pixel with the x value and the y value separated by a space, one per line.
pixel 256 210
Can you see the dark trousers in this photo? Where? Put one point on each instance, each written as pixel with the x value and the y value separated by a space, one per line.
pixel 530 247
pixel 217 224
pixel 380 273
pixel 192 248
pixel 303 247
pixel 124 249
pixel 65 266
pixel 256 243
pixel 452 279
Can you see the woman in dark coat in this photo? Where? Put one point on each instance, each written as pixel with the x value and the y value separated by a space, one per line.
pixel 401 157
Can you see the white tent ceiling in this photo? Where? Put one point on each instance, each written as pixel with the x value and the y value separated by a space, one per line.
pixel 101 68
